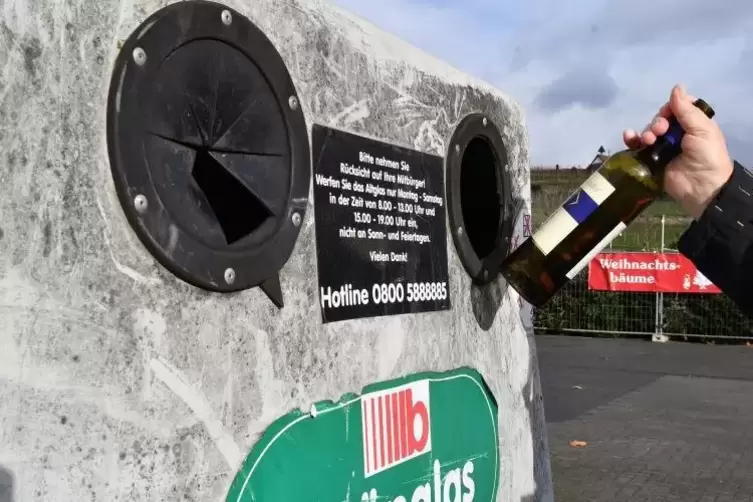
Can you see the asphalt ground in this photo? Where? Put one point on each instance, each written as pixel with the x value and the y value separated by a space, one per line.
pixel 657 421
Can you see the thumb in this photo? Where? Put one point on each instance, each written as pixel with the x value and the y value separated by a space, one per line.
pixel 690 117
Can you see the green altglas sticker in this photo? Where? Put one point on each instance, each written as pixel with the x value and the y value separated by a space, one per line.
pixel 428 437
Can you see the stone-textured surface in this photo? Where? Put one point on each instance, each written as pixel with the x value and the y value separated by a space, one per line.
pixel 662 422
pixel 120 382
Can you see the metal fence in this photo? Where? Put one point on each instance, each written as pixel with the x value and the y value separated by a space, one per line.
pixel 578 309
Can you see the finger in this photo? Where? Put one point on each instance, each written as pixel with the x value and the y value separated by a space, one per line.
pixel 689 116
pixel 632 139
pixel 648 137
pixel 665 111
pixel 685 93
pixel 659 126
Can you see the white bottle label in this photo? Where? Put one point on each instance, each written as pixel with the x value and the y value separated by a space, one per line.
pixel 591 254
pixel 584 201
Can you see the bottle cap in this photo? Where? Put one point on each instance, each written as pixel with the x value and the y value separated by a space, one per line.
pixel 705 107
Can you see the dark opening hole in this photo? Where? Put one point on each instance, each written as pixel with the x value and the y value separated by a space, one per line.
pixel 480 201
pixel 238 211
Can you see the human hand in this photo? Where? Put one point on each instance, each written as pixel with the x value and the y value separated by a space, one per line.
pixel 697 175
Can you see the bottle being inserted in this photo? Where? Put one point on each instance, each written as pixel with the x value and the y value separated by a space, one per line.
pixel 597 212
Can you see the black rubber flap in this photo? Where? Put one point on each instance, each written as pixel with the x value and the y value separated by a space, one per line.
pixel 479 197
pixel 208 147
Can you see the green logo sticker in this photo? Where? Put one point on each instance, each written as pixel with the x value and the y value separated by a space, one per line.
pixel 429 437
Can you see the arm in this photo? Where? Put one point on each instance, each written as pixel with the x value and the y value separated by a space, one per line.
pixel 720 242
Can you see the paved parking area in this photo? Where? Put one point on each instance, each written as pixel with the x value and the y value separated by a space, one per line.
pixel 662 422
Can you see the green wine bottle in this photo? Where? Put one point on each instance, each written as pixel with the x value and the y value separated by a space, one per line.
pixel 594 215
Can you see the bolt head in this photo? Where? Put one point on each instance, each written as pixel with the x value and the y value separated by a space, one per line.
pixel 296 219
pixel 457 148
pixel 293 102
pixel 140 203
pixel 139 56
pixel 485 121
pixel 460 230
pixel 227 17
pixel 230 276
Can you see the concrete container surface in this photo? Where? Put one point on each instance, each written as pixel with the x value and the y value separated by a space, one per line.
pixel 120 382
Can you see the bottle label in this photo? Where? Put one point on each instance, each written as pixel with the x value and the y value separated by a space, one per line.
pixel 596 250
pixel 573 212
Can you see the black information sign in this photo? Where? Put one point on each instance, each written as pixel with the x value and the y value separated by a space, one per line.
pixel 381 234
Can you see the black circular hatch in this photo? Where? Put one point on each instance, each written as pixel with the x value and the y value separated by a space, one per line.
pixel 479 199
pixel 208 147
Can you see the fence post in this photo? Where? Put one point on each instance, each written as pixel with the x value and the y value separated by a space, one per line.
pixel 659 319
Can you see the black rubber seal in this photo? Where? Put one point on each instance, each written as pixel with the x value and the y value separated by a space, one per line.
pixel 204 124
pixel 472 128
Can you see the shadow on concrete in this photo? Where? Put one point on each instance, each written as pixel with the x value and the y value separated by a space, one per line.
pixel 6 485
pixel 542 474
pixel 485 300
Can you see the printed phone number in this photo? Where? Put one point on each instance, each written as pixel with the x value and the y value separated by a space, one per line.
pixel 381 294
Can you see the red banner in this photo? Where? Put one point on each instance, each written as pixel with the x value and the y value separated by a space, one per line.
pixel 647 272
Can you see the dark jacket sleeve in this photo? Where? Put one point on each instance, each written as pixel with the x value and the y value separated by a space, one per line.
pixel 720 242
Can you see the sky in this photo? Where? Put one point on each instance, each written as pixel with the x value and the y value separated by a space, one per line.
pixel 584 70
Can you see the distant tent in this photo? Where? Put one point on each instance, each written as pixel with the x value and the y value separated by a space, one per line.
pixel 597 161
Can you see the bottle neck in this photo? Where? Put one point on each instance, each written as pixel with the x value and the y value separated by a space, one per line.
pixel 666 148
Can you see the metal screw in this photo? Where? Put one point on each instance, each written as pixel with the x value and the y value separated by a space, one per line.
pixel 457 148
pixel 484 121
pixel 227 18
pixel 296 219
pixel 139 56
pixel 293 102
pixel 460 230
pixel 230 276
pixel 140 203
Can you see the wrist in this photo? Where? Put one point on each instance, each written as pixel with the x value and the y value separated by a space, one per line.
pixel 707 190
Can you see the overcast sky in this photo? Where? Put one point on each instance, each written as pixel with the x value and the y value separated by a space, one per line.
pixel 585 69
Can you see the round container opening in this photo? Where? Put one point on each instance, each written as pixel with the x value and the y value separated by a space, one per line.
pixel 209 156
pixel 237 210
pixel 480 200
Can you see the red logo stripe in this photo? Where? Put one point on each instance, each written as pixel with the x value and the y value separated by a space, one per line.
pixel 404 427
pixel 373 433
pixel 364 409
pixel 388 425
pixel 388 421
pixel 396 426
pixel 381 434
